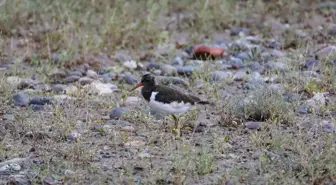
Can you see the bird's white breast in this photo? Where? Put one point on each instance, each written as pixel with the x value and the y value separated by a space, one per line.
pixel 171 108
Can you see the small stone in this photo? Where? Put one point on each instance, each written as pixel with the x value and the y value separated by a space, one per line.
pixel 221 75
pixel 85 80
pixel 332 31
pixel 92 74
pixel 167 69
pixel 243 56
pixel 326 53
pixel 27 83
pixel 237 31
pixel 145 154
pixel 131 64
pixel 135 143
pixel 38 100
pixel 239 75
pixel 318 99
pixel 127 129
pixel 71 79
pixel 328 126
pixel 50 181
pixel 277 66
pixel 71 89
pixel 303 109
pixel 57 73
pixel 21 99
pixel 116 113
pixel 58 88
pixel 9 117
pixel 10 168
pixel 74 135
pixel 14 80
pixel 132 100
pixel 255 67
pixel 172 80
pixel 187 70
pixel 310 64
pixel 253 125
pixel 75 73
pixel 101 89
pixel 178 61
pixel 128 78
pixel 236 63
pixel 37 107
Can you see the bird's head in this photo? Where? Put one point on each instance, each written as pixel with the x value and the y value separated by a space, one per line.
pixel 146 80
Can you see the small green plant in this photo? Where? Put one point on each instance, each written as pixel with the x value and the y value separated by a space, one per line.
pixel 204 162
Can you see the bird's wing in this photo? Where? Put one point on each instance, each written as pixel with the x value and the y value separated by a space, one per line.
pixel 167 95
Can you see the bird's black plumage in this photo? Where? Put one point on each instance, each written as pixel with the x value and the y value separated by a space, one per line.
pixel 165 94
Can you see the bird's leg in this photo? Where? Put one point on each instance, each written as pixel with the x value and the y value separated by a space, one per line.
pixel 177 128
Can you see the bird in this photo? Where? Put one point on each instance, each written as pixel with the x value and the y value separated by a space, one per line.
pixel 166 99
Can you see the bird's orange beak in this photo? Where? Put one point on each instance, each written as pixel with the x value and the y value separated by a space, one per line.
pixel 138 85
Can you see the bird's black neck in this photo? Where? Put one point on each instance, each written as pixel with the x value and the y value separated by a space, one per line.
pixel 147 90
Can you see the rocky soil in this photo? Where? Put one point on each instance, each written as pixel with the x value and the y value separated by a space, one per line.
pixel 67 115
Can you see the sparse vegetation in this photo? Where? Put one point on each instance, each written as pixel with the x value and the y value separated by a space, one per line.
pixel 56 50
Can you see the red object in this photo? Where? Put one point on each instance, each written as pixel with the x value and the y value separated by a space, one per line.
pixel 208 51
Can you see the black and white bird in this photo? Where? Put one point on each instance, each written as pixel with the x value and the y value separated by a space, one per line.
pixel 165 99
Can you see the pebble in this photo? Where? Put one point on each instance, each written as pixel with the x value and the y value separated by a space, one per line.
pixel 243 56
pixel 239 75
pixel 27 83
pixel 36 108
pixel 100 89
pixel 10 167
pixel 328 52
pixel 108 77
pixel 187 70
pixel 178 61
pixel 128 78
pixel 303 109
pixel 236 63
pixel 237 30
pixel 50 181
pixel 277 66
pixel 328 126
pixel 21 99
pixel 58 88
pixel 14 80
pixel 172 80
pixel 71 89
pixel 255 66
pixel 57 73
pixel 332 31
pixel 131 64
pixel 167 69
pixel 317 100
pixel 221 75
pixel 74 135
pixel 116 113
pixel 85 80
pixel 310 64
pixel 132 100
pixel 75 73
pixel 92 74
pixel 9 117
pixel 38 100
pixel 253 125
pixel 127 128
pixel 71 79
pixel 135 143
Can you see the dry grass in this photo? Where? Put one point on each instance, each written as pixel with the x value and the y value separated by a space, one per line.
pixel 106 153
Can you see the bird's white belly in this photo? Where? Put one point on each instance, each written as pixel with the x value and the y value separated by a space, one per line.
pixel 171 108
